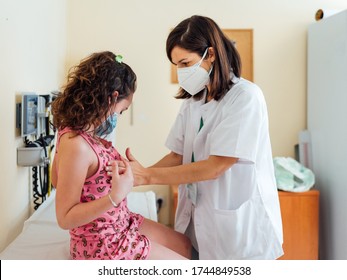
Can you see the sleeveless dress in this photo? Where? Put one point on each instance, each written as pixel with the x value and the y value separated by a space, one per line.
pixel 115 234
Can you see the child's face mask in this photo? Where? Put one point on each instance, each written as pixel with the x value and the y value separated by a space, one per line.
pixel 107 126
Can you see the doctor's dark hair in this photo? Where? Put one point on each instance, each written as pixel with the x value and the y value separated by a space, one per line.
pixel 88 95
pixel 197 33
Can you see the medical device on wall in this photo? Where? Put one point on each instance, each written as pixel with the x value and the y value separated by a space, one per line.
pixel 33 120
pixel 28 118
pixel 32 114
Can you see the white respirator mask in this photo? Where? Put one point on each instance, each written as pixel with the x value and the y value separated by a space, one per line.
pixel 194 78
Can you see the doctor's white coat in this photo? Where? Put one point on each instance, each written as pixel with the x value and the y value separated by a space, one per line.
pixel 236 216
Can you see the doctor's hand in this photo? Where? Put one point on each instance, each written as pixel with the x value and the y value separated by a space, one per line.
pixel 140 173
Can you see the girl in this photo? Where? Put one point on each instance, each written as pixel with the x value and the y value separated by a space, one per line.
pixel 91 205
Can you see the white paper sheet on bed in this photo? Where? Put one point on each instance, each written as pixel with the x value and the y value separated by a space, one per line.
pixel 42 238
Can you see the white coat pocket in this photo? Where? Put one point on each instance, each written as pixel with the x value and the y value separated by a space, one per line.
pixel 240 233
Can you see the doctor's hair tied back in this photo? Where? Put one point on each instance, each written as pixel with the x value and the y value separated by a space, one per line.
pixel 119 58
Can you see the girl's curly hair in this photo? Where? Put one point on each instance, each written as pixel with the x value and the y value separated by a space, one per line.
pixel 87 97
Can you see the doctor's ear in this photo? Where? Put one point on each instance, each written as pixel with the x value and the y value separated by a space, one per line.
pixel 211 54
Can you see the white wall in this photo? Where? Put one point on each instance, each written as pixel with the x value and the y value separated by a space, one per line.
pixel 32 58
pixel 137 29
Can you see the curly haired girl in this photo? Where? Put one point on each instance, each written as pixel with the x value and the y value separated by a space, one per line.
pixel 90 202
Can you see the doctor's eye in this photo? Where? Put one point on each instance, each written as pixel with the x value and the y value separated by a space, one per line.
pixel 182 64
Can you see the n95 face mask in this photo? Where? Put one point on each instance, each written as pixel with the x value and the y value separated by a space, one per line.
pixel 194 78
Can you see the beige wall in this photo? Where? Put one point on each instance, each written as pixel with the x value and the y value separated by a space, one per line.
pixel 32 58
pixel 138 31
pixel 33 54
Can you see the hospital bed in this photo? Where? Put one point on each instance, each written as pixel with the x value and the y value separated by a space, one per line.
pixel 42 238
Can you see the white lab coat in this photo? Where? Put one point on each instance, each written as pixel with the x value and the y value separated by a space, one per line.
pixel 237 215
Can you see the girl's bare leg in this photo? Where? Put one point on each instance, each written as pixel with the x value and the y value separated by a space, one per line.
pixel 160 252
pixel 166 242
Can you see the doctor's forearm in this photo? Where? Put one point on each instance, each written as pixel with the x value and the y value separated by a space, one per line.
pixel 171 159
pixel 169 176
pixel 208 169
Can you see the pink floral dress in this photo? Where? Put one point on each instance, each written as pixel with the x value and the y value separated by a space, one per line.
pixel 115 234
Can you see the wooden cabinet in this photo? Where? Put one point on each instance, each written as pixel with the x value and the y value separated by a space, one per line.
pixel 300 218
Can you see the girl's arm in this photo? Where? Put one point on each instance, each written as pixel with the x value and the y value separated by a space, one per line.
pixel 75 162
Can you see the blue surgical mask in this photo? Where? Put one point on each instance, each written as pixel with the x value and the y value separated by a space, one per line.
pixel 107 126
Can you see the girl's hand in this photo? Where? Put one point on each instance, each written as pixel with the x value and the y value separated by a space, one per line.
pixel 122 182
pixel 140 173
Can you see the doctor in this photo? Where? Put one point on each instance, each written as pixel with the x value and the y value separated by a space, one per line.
pixel 220 150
